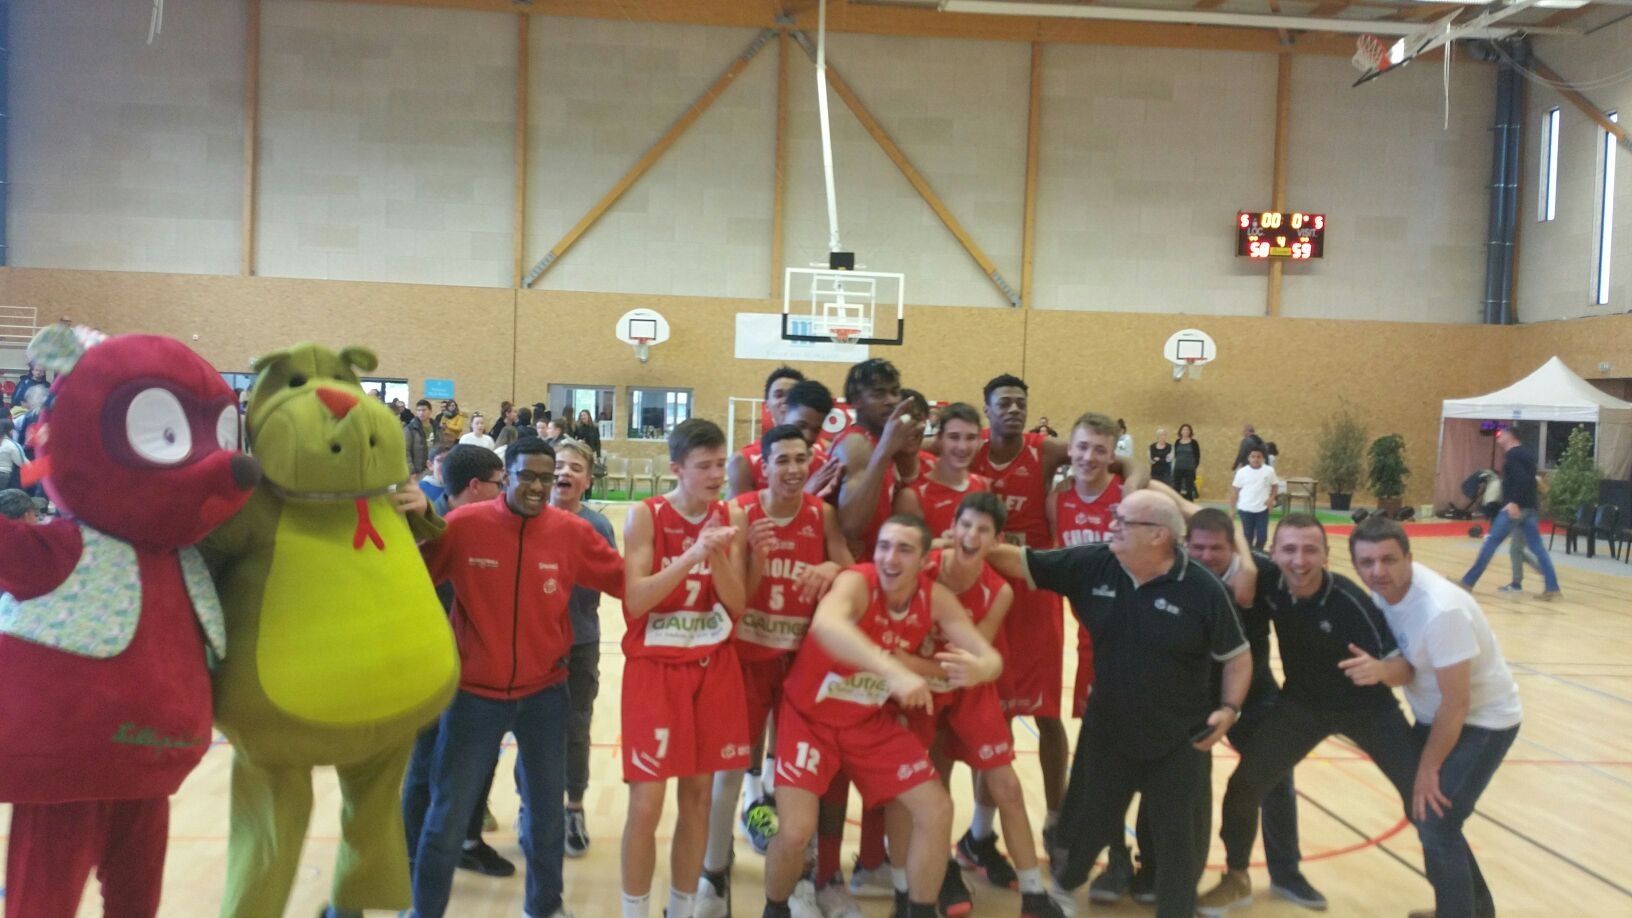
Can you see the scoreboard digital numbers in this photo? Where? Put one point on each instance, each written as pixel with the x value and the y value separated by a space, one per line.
pixel 1268 234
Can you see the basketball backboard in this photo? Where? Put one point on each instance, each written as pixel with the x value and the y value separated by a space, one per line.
pixel 1189 349
pixel 640 329
pixel 848 307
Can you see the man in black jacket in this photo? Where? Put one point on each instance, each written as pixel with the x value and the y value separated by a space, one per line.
pixel 1519 515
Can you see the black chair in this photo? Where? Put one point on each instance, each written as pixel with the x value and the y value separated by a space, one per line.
pixel 1582 523
pixel 1606 525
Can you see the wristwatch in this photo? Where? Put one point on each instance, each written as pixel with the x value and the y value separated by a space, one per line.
pixel 1234 708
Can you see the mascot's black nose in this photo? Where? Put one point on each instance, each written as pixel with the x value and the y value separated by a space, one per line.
pixel 246 472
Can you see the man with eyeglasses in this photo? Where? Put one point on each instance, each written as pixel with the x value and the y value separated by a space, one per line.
pixel 472 474
pixel 1160 623
pixel 513 562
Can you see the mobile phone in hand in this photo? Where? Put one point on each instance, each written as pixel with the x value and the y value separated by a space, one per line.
pixel 1200 732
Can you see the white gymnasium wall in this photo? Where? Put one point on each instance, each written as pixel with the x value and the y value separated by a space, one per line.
pixel 1558 259
pixel 387 154
pixel 1408 199
pixel 124 155
pixel 1146 157
pixel 600 94
pixel 387 143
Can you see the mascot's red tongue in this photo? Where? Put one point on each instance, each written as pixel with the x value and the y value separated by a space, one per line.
pixel 365 528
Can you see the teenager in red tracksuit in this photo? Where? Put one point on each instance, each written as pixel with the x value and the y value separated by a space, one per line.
pixel 513 562
pixel 684 712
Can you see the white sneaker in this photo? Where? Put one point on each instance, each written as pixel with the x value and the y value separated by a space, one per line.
pixel 1063 898
pixel 710 902
pixel 877 883
pixel 836 901
pixel 802 904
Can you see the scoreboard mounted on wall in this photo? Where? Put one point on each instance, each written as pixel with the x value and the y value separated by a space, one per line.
pixel 1268 234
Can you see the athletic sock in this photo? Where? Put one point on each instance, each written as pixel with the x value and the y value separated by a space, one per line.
pixel 898 877
pixel 681 905
pixel 776 909
pixel 714 879
pixel 827 855
pixel 750 787
pixel 1031 880
pixel 637 906
pixel 872 838
pixel 984 822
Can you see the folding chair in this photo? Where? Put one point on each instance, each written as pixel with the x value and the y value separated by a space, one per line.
pixel 617 470
pixel 641 470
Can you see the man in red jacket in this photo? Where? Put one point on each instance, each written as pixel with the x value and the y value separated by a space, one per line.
pixel 513 562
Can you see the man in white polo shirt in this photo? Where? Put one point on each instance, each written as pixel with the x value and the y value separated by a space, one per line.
pixel 1462 693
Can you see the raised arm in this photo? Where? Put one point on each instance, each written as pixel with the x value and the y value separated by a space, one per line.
pixel 729 564
pixel 970 658
pixel 834 627
pixel 643 589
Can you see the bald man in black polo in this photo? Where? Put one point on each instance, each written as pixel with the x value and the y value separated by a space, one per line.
pixel 1160 623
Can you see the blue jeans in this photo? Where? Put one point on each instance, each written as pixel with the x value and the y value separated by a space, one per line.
pixel 1500 528
pixel 467 749
pixel 1460 890
pixel 1254 526
pixel 416 792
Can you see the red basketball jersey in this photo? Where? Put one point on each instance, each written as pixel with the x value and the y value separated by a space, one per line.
pixel 756 462
pixel 940 502
pixel 691 622
pixel 886 494
pixel 1020 483
pixel 829 692
pixel 1086 522
pixel 977 600
pixel 776 619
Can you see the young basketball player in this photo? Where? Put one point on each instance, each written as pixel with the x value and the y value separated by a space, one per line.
pixel 805 405
pixel 969 725
pixel 833 714
pixel 935 496
pixel 683 705
pixel 795 551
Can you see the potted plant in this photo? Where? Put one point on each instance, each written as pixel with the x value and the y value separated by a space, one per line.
pixel 1574 482
pixel 1388 472
pixel 1342 446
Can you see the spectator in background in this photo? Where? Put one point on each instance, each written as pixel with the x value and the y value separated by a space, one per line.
pixel 551 431
pixel 12 459
pixel 507 414
pixel 432 482
pixel 1252 493
pixel 588 431
pixel 1518 516
pixel 1186 461
pixel 451 424
pixel 1249 442
pixel 524 424
pixel 540 413
pixel 1043 428
pixel 401 411
pixel 478 433
pixel 1271 451
pixel 1124 440
pixel 17 505
pixel 1161 458
pixel 417 432
pixel 34 377
pixel 575 464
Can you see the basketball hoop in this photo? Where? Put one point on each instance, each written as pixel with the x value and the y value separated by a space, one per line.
pixel 1187 366
pixel 643 348
pixel 1370 54
pixel 845 335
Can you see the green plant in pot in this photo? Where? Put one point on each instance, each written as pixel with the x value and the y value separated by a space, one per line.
pixel 1574 482
pixel 1388 471
pixel 1338 462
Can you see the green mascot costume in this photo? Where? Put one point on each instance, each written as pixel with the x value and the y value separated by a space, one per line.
pixel 341 652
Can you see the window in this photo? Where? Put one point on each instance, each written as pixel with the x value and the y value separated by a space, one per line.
pixel 387 389
pixel 568 399
pixel 1558 437
pixel 239 383
pixel 655 412
pixel 1547 207
pixel 1606 213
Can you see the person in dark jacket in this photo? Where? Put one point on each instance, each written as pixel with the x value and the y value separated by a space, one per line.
pixel 1249 441
pixel 416 435
pixel 1186 460
pixel 1519 516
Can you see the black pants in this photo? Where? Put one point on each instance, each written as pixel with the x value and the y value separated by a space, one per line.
pixel 1279 811
pixel 1289 732
pixel 583 684
pixel 1177 795
pixel 1184 482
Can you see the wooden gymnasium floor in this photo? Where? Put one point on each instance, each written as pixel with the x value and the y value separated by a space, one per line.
pixel 1551 832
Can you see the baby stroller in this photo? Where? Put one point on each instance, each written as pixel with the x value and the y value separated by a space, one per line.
pixel 1483 493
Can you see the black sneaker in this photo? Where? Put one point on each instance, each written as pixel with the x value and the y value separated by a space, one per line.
pixel 577 834
pixel 982 855
pixel 903 906
pixel 1113 882
pixel 1297 890
pixel 954 899
pixel 1143 886
pixel 1039 905
pixel 484 860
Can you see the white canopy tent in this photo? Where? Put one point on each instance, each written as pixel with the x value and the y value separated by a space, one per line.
pixel 1552 393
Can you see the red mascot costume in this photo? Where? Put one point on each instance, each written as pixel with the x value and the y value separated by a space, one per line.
pixel 109 619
